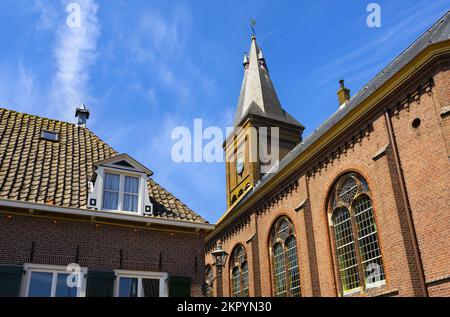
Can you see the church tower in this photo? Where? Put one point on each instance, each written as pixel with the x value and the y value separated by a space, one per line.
pixel 258 111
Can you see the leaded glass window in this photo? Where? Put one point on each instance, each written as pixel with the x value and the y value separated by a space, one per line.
pixel 355 234
pixel 239 272
pixel 236 282
pixel 368 241
pixel 209 277
pixel 285 268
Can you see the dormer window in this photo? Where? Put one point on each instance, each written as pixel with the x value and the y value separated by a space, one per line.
pixel 120 185
pixel 120 192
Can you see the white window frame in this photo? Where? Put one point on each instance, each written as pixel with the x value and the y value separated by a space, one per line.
pixel 162 277
pixel 122 191
pixel 54 269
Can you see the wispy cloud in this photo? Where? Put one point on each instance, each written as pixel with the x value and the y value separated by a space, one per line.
pixel 75 52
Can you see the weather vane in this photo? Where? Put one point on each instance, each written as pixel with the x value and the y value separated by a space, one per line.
pixel 253 24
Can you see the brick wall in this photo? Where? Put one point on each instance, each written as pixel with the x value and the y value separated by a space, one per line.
pixel 424 154
pixel 99 247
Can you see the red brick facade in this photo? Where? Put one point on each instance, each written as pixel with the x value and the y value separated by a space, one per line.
pixel 100 247
pixel 365 148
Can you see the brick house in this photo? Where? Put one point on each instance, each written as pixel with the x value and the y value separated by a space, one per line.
pixel 78 218
pixel 359 208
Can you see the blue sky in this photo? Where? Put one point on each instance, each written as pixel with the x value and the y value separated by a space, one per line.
pixel 146 67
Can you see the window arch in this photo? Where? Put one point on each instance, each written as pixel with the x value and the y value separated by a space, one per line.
pixel 209 278
pixel 285 269
pixel 239 272
pixel 355 234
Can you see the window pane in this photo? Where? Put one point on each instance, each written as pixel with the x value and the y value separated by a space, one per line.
pixel 151 287
pixel 368 241
pixel 345 245
pixel 245 286
pixel 294 274
pixel 236 282
pixel 40 284
pixel 110 200
pixel 348 190
pixel 131 185
pixel 130 202
pixel 209 281
pixel 62 290
pixel 128 287
pixel 279 267
pixel 111 191
pixel 112 182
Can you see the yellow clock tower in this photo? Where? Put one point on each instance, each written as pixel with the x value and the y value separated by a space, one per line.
pixel 260 120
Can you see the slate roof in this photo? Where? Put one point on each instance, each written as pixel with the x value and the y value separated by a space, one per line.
pixel 57 173
pixel 258 95
pixel 439 32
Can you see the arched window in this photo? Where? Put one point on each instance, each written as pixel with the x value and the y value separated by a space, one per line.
pixel 239 273
pixel 285 270
pixel 209 278
pixel 355 234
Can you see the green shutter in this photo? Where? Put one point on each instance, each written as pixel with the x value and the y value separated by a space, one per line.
pixel 179 286
pixel 10 279
pixel 100 284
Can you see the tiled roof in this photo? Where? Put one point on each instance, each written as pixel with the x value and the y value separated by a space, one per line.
pixel 57 173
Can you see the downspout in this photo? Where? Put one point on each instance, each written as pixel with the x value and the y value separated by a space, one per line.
pixel 409 218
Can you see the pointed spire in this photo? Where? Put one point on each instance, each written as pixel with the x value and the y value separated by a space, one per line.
pixel 258 95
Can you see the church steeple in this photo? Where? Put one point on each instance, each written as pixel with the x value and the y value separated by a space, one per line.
pixel 259 121
pixel 258 95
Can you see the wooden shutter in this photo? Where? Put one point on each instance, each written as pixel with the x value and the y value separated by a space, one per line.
pixel 100 284
pixel 179 286
pixel 10 279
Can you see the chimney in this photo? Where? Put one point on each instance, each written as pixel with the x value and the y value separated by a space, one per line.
pixel 343 94
pixel 83 115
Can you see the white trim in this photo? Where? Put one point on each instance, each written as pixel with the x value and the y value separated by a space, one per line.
pixel 121 193
pixel 161 276
pixel 104 214
pixel 54 269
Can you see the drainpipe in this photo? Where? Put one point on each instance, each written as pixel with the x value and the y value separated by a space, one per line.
pixel 409 218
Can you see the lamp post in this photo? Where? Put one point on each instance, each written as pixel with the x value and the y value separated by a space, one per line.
pixel 220 260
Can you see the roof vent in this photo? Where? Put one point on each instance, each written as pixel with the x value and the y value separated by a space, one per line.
pixel 83 115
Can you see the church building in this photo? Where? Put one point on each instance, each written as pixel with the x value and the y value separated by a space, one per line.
pixel 361 207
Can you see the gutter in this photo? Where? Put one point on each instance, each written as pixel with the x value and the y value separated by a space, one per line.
pixel 102 214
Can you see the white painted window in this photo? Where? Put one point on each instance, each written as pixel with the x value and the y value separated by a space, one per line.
pixel 140 284
pixel 53 281
pixel 121 192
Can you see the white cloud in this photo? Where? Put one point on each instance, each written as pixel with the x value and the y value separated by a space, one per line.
pixel 75 52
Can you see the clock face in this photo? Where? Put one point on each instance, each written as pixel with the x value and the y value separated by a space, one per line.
pixel 240 164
